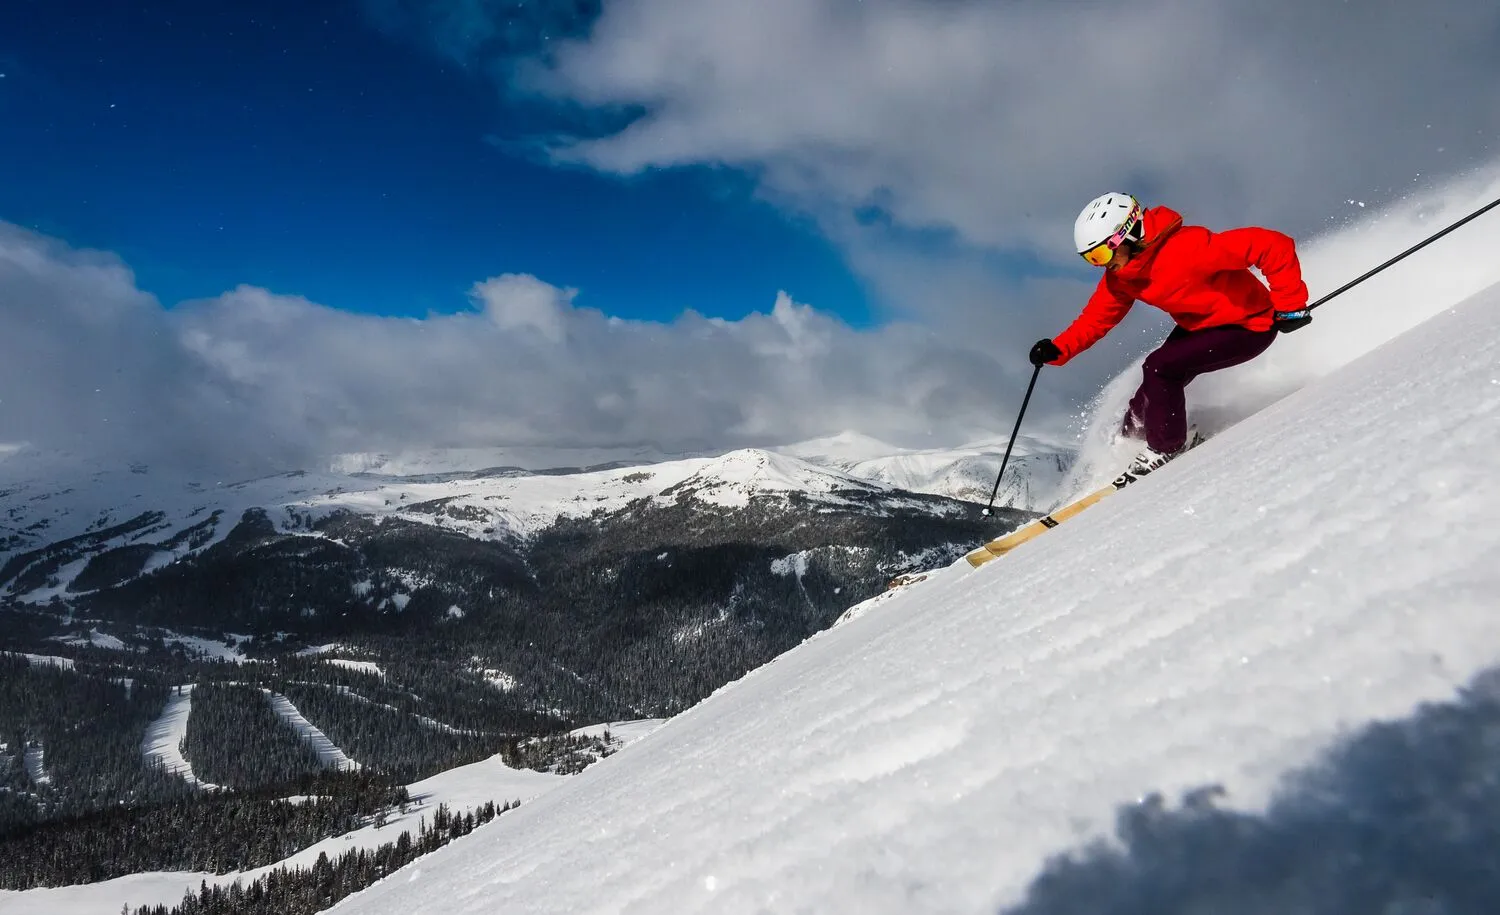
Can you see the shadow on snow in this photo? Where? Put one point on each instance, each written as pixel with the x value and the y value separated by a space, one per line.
pixel 1401 818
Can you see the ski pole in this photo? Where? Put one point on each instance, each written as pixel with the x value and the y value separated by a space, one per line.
pixel 1412 250
pixel 1006 460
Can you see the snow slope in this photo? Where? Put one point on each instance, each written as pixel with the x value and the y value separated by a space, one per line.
pixel 163 741
pixel 328 752
pixel 95 638
pixel 1324 563
pixel 42 660
pixel 35 759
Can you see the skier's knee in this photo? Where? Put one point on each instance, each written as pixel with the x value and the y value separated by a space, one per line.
pixel 1158 366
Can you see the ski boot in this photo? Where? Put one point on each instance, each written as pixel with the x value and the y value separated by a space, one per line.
pixel 1150 459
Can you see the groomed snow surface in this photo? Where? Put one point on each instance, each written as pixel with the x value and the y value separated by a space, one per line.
pixel 328 752
pixel 163 742
pixel 1326 563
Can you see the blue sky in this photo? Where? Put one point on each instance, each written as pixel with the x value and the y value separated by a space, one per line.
pixel 338 152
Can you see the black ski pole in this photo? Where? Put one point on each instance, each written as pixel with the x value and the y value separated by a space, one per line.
pixel 1006 460
pixel 1412 250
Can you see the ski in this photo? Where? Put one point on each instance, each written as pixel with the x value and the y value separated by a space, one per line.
pixel 1002 545
pixel 1033 529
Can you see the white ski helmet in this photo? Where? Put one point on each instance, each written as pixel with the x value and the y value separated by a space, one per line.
pixel 1103 217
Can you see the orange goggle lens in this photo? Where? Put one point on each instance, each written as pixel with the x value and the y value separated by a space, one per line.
pixel 1104 252
pixel 1100 255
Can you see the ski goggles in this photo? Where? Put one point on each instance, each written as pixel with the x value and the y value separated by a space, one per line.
pixel 1101 254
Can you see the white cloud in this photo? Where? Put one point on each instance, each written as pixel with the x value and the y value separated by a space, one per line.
pixel 796 333
pixel 255 379
pixel 999 120
pixel 516 302
pixel 945 145
pixel 90 363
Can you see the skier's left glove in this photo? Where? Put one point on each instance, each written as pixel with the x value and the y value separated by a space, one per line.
pixel 1288 321
pixel 1044 351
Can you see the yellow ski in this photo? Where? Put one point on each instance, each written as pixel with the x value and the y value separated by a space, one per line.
pixel 1002 545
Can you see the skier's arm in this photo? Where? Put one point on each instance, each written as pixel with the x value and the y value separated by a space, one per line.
pixel 1271 252
pixel 1106 308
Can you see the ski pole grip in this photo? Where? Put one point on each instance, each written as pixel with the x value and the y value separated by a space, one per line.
pixel 1288 321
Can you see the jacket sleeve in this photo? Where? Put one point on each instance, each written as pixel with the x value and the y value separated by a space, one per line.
pixel 1106 308
pixel 1271 252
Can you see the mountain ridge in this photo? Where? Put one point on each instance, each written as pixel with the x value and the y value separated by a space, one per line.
pixel 89 508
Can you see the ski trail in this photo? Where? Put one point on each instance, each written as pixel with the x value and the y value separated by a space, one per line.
pixel 163 741
pixel 423 720
pixel 328 752
pixel 36 768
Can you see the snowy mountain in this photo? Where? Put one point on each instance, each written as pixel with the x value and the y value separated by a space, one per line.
pixel 737 477
pixel 966 472
pixel 53 528
pixel 1231 627
pixel 1037 467
pixel 626 592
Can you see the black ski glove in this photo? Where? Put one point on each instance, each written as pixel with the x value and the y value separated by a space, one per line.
pixel 1288 321
pixel 1044 351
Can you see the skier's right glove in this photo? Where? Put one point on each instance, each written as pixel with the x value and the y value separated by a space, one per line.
pixel 1044 351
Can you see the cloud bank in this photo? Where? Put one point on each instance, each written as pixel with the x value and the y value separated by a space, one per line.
pixel 946 145
pixel 258 380
pixel 997 121
pixel 252 380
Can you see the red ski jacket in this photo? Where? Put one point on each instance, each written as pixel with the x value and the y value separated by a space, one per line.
pixel 1200 278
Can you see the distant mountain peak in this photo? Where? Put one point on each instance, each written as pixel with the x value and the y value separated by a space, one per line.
pixel 732 479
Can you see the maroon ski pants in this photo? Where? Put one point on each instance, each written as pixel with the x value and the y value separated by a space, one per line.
pixel 1158 411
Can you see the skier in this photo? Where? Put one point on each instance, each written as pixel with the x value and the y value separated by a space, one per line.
pixel 1224 315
